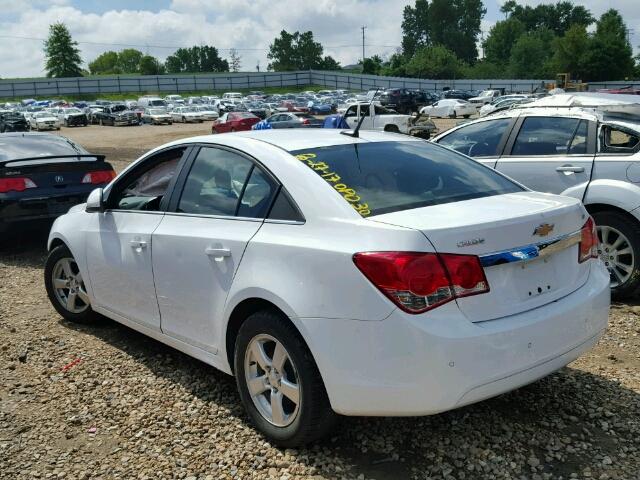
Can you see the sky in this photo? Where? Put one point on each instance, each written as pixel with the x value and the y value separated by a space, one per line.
pixel 159 27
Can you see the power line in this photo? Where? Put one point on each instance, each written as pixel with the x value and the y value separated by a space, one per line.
pixel 147 45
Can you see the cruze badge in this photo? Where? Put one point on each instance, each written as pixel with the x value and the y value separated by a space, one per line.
pixel 470 243
pixel 543 229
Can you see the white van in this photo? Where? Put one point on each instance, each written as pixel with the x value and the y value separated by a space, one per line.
pixel 232 96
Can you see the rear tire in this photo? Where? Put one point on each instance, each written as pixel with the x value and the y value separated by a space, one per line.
pixel 453 115
pixel 65 287
pixel 290 424
pixel 619 233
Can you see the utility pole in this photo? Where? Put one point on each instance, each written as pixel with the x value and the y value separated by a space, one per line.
pixel 363 29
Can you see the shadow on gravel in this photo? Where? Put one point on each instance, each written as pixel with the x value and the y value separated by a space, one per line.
pixel 25 246
pixel 568 421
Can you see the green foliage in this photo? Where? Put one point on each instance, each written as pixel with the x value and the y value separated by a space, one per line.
pixel 129 60
pixel 486 69
pixel 105 63
pixel 234 60
pixel 196 60
pixel 571 51
pixel 61 52
pixel 372 65
pixel 298 51
pixel 454 24
pixel 149 65
pixel 435 62
pixel 531 55
pixel 502 36
pixel 557 17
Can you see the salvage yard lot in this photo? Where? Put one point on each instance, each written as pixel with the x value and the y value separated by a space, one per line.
pixel 106 402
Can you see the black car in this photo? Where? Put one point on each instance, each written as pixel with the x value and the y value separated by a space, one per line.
pixel 459 94
pixel 43 175
pixel 116 115
pixel 258 109
pixel 13 122
pixel 406 101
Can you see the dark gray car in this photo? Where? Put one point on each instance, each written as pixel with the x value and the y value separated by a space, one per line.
pixel 293 120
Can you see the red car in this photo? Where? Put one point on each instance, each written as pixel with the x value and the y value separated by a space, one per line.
pixel 628 90
pixel 234 122
pixel 292 106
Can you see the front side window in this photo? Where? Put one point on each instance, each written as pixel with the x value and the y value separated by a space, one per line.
pixel 478 139
pixel 547 136
pixel 383 177
pixel 146 189
pixel 224 183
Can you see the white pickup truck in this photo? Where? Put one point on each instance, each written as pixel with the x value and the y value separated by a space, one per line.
pixel 377 118
pixel 486 96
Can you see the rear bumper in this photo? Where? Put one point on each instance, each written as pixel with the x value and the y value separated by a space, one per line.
pixel 425 364
pixel 40 207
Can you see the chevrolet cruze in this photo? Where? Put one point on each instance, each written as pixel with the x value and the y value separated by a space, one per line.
pixel 333 274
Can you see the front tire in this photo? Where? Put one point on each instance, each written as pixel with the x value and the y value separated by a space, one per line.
pixel 279 382
pixel 619 249
pixel 65 287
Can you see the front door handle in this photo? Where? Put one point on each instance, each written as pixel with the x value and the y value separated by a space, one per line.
pixel 569 169
pixel 218 254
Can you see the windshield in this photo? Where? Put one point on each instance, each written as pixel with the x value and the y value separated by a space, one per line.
pixel 156 111
pixel 72 110
pixel 383 177
pixel 43 115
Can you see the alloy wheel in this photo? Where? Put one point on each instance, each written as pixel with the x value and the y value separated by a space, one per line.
pixel 68 286
pixel 272 380
pixel 616 253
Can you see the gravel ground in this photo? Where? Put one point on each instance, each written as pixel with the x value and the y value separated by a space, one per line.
pixel 105 402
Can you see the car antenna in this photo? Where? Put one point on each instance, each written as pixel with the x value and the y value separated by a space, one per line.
pixel 356 131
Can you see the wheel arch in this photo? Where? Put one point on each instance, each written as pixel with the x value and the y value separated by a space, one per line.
pixel 245 308
pixel 624 196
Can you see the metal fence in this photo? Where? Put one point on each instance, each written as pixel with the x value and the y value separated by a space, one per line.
pixel 56 87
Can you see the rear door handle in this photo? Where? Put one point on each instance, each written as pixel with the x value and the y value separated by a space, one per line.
pixel 218 254
pixel 138 244
pixel 570 169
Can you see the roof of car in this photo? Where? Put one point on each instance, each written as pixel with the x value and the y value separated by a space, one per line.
pixel 300 139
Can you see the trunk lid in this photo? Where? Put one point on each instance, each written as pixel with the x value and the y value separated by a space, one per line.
pixel 527 243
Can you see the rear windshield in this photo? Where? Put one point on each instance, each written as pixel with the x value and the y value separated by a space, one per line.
pixel 384 177
pixel 29 146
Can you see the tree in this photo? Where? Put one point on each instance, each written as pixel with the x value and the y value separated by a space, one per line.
pixel 502 37
pixel 329 63
pixel 454 24
pixel 150 66
pixel 61 52
pixel 570 51
pixel 486 69
pixel 372 65
pixel 196 59
pixel 295 51
pixel 531 55
pixel 234 60
pixel 129 60
pixel 435 63
pixel 105 63
pixel 557 17
pixel 610 56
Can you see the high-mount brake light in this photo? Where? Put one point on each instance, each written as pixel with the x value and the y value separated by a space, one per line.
pixel 417 282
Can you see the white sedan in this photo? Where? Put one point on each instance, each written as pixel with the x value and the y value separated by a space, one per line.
pixel 44 121
pixel 186 115
pixel 450 107
pixel 207 112
pixel 379 275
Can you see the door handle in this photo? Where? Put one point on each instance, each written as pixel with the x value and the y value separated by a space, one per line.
pixel 570 169
pixel 218 254
pixel 138 245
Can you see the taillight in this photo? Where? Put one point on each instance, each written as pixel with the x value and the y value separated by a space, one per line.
pixel 588 241
pixel 305 121
pixel 18 184
pixel 418 282
pixel 101 176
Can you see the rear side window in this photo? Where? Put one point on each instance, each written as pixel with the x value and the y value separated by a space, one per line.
pixel 383 177
pixel 618 140
pixel 548 136
pixel 478 139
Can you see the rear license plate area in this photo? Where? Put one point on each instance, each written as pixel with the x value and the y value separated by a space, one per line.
pixel 535 278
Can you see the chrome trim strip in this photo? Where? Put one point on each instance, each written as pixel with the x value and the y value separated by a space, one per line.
pixel 530 252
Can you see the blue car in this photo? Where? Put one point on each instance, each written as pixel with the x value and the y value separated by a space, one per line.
pixel 321 109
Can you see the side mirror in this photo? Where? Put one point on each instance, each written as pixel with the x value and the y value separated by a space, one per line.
pixel 94 201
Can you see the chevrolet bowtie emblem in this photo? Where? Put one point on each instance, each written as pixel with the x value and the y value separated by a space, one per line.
pixel 543 229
